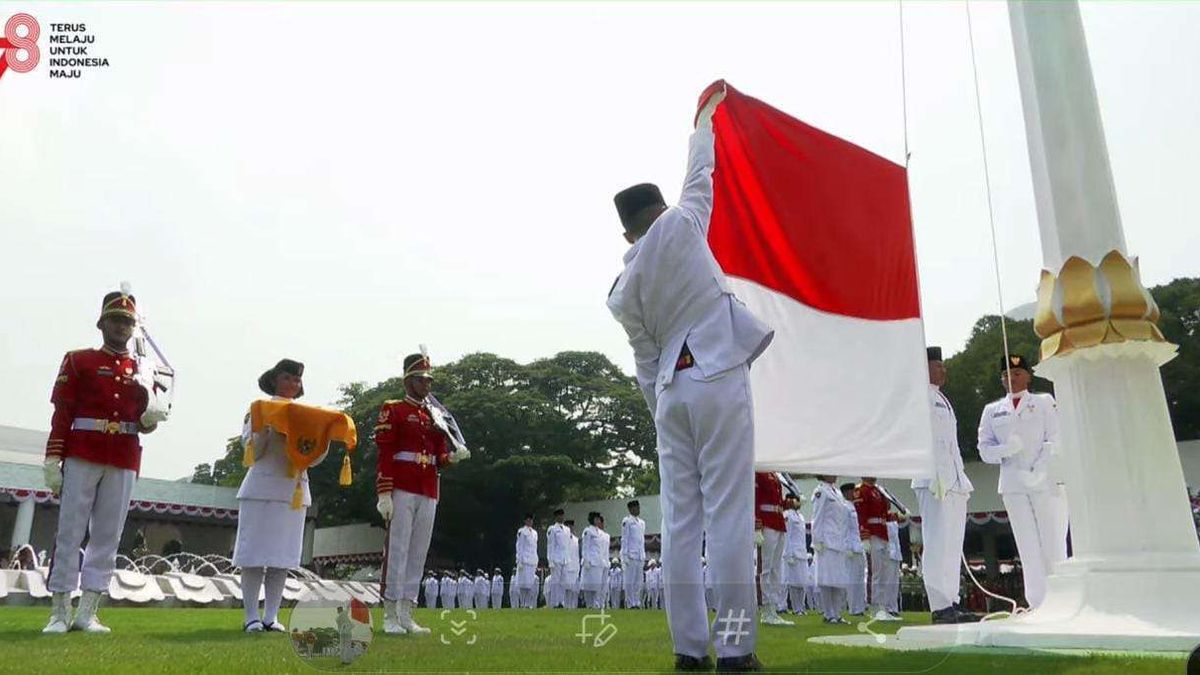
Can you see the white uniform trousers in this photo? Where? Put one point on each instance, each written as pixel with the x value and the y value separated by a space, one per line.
pixel 856 593
pixel 448 599
pixel 798 599
pixel 409 532
pixel 772 568
pixel 95 500
pixel 527 585
pixel 497 599
pixel 1039 524
pixel 889 585
pixel 614 594
pixel 706 466
pixel 571 589
pixel 877 560
pixel 554 587
pixel 634 579
pixel 943 527
pixel 481 599
pixel 833 601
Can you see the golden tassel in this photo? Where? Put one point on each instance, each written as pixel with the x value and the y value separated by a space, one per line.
pixel 298 497
pixel 346 477
pixel 248 454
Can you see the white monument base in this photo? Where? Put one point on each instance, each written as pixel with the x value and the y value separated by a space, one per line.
pixel 1137 602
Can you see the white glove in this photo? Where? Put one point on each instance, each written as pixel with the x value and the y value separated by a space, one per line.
pixel 52 471
pixel 460 455
pixel 1015 446
pixel 384 506
pixel 704 117
pixel 759 538
pixel 152 417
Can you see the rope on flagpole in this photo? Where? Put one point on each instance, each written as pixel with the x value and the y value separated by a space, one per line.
pixel 903 83
pixel 987 181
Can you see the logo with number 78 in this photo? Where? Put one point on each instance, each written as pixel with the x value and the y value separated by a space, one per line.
pixel 19 44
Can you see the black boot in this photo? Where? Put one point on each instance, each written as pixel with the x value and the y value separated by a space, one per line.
pixel 739 664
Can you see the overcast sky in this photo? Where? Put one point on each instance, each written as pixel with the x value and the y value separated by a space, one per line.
pixel 337 184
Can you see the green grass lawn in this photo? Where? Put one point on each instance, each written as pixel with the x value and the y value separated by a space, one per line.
pixel 153 640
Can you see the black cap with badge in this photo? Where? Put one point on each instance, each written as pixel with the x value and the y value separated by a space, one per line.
pixel 1013 362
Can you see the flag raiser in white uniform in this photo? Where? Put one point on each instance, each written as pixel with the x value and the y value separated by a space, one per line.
pixel 672 293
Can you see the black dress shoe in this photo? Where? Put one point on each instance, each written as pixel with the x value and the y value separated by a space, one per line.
pixel 945 615
pixel 739 664
pixel 968 617
pixel 686 663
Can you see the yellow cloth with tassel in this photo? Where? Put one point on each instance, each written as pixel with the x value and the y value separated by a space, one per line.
pixel 308 431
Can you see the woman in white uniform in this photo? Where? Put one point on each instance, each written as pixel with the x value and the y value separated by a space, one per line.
pixel 595 561
pixel 832 569
pixel 270 532
pixel 795 555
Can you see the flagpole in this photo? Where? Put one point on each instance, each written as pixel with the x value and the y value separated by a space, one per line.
pixel 1134 579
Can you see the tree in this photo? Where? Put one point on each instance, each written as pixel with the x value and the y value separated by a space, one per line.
pixel 973 374
pixel 568 428
pixel 1179 302
pixel 202 475
pixel 227 471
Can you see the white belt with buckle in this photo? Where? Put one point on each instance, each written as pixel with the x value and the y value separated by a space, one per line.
pixel 104 426
pixel 414 457
pixel 769 508
pixel 876 521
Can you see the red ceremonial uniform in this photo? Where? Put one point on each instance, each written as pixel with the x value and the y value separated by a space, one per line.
pixel 768 501
pixel 411 449
pixel 872 508
pixel 97 405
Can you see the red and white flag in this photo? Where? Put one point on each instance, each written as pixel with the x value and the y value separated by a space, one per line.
pixel 359 611
pixel 816 238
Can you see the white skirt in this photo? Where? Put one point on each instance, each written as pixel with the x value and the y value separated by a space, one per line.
pixel 795 573
pixel 526 576
pixel 270 534
pixel 832 568
pixel 592 578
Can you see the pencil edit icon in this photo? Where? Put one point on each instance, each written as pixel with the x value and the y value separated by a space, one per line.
pixel 606 630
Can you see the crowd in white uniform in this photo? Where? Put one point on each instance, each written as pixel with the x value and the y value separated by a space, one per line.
pixel 827 573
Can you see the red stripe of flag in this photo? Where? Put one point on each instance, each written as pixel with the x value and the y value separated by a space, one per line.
pixel 810 215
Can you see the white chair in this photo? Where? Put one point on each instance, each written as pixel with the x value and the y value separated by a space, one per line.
pixel 234 584
pixel 360 592
pixel 329 590
pixel 192 588
pixel 229 589
pixel 296 591
pixel 133 586
pixel 33 582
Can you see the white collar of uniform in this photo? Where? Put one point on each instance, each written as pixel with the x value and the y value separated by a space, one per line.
pixel 634 248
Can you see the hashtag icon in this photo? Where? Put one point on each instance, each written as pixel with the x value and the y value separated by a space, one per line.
pixel 736 633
